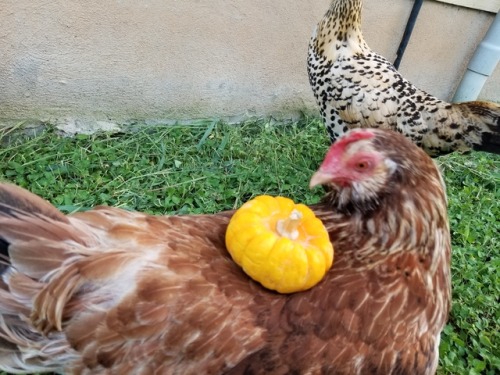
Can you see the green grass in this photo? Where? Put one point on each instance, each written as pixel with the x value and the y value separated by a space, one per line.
pixel 208 167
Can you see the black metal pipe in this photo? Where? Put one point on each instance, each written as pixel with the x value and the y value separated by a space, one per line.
pixel 409 29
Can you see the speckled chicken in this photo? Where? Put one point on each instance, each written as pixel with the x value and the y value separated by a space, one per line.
pixel 109 291
pixel 357 88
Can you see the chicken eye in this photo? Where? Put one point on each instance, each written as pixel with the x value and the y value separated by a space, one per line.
pixel 362 165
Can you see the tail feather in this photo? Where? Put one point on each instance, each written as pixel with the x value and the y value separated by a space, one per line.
pixel 487 114
pixel 36 239
pixel 22 285
pixel 4 255
pixel 15 201
pixel 37 262
pixel 490 141
pixel 47 259
pixel 25 219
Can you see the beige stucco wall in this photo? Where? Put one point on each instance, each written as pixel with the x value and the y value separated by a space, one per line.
pixel 119 60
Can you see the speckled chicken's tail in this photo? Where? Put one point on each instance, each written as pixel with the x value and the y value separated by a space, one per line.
pixel 488 115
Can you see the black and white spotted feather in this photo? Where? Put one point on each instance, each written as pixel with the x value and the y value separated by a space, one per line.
pixel 357 88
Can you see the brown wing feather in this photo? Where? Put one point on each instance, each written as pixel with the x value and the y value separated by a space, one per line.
pixel 172 318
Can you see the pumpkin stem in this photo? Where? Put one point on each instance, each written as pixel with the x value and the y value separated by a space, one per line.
pixel 288 227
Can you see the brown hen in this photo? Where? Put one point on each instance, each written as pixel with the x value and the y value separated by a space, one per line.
pixel 114 292
pixel 357 88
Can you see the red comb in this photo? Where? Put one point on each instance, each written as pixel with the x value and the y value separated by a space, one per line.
pixel 338 147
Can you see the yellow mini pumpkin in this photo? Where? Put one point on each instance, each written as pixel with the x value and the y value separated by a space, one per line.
pixel 280 244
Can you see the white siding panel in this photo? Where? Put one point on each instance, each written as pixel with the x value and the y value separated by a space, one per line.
pixel 487 5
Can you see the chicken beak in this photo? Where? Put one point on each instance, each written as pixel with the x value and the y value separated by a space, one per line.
pixel 320 178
